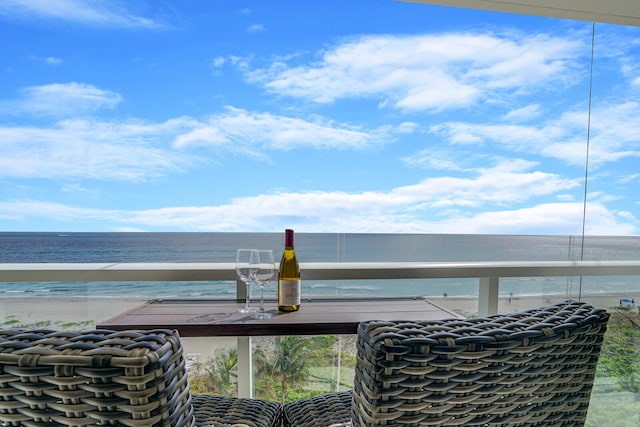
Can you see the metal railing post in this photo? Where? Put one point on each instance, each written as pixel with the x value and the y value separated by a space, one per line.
pixel 245 364
pixel 488 295
pixel 241 291
pixel 245 368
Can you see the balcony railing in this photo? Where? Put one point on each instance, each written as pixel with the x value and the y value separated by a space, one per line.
pixel 487 273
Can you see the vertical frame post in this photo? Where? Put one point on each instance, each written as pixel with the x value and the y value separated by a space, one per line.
pixel 245 367
pixel 488 295
pixel 241 291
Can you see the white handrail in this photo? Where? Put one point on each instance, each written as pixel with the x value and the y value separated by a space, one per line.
pixel 117 272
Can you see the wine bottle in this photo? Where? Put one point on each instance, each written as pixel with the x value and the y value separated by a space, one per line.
pixel 289 276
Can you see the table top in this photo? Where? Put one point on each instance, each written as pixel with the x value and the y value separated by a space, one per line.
pixel 200 318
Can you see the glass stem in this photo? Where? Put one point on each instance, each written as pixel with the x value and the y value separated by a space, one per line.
pixel 247 300
pixel 262 299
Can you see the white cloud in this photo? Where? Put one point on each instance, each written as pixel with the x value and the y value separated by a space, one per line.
pixel 49 60
pixel 552 218
pixel 90 12
pixel 425 72
pixel 202 136
pixel 218 61
pixel 249 132
pixel 138 151
pixel 616 126
pixel 241 215
pixel 629 178
pixel 126 151
pixel 523 114
pixel 61 99
pixel 17 210
pixel 407 127
pixel 442 204
pixel 615 134
pixel 437 159
pixel 514 136
pixel 506 183
pixel 78 188
pixel 256 28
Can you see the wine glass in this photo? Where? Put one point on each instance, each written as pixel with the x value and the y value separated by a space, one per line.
pixel 245 274
pixel 264 269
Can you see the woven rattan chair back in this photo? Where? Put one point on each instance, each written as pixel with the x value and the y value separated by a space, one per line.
pixel 534 368
pixel 127 378
pixel 130 378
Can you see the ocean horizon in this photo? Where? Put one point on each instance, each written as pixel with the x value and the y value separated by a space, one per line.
pixel 82 247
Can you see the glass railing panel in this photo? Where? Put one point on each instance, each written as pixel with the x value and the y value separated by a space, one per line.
pixel 141 290
pixel 284 368
pixel 616 380
pixel 617 384
pixel 291 367
pixel 212 365
pixel 380 288
pixel 611 209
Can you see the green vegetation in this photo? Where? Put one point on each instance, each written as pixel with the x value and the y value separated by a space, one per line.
pixel 286 369
pixel 616 393
pixel 620 356
pixel 14 322
pixel 217 376
pixel 11 322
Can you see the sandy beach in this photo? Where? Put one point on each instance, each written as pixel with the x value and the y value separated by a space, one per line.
pixel 89 311
pixel 84 313
pixel 63 311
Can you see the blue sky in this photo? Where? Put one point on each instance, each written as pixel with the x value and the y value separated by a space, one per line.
pixel 324 116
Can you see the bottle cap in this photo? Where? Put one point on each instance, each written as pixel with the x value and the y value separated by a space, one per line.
pixel 288 237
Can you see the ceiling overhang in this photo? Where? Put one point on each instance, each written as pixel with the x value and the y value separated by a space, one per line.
pixel 623 12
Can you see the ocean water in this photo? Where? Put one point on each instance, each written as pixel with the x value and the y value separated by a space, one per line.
pixel 313 247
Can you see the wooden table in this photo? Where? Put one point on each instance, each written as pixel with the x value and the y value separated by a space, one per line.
pixel 202 318
pixel 214 318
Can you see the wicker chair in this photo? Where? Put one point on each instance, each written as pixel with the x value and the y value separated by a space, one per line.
pixel 533 368
pixel 128 378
